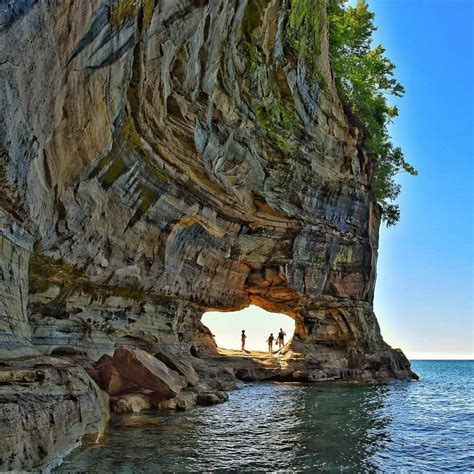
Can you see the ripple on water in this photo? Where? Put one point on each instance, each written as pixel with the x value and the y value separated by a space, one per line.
pixel 422 426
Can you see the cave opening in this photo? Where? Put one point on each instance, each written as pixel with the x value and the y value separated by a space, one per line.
pixel 257 323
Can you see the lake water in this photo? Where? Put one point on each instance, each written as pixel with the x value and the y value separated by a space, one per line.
pixel 426 425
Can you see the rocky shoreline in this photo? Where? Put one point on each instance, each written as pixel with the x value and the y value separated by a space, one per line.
pixel 62 401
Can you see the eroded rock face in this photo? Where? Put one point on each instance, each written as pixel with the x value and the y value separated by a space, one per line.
pixel 46 407
pixel 180 157
pixel 172 157
pixel 15 248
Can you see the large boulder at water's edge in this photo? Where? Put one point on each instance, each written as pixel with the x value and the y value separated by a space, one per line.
pixel 110 379
pixel 148 372
pixel 178 364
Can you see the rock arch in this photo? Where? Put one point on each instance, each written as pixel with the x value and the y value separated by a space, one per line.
pixel 161 164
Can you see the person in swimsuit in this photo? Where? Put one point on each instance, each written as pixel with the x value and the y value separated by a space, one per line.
pixel 270 342
pixel 243 337
pixel 281 338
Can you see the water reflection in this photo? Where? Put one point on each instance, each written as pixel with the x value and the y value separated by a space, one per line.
pixel 278 427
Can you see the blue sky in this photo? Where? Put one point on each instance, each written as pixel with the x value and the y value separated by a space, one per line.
pixel 424 296
pixel 425 285
pixel 257 322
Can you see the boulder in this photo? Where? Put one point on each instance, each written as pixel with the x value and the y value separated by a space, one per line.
pixel 319 375
pixel 205 395
pixel 104 360
pixel 211 398
pixel 225 385
pixel 184 401
pixel 178 364
pixel 94 374
pixel 109 378
pixel 131 402
pixel 147 372
pixel 112 381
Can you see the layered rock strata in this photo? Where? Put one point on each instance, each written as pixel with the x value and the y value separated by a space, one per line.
pixel 47 406
pixel 159 159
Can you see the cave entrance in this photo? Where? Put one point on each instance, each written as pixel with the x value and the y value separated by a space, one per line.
pixel 258 324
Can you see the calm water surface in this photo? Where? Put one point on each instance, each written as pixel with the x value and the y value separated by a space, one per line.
pixel 402 426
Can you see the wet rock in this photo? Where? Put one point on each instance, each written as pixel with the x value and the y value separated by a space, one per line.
pixel 131 403
pixel 217 383
pixel 138 420
pixel 182 402
pixel 211 398
pixel 147 372
pixel 207 395
pixel 226 385
pixel 208 398
pixel 257 373
pixel 319 375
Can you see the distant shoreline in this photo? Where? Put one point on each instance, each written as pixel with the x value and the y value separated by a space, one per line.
pixel 441 360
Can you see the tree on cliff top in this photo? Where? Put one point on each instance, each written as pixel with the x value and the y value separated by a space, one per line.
pixel 365 78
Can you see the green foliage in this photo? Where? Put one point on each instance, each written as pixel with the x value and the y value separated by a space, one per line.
pixel 252 18
pixel 277 119
pixel 364 78
pixel 304 28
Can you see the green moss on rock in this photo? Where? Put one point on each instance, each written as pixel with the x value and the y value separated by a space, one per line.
pixel 133 137
pixel 47 272
pixel 252 17
pixel 134 141
pixel 116 169
pixel 148 197
pixel 103 163
pixel 124 10
pixel 148 7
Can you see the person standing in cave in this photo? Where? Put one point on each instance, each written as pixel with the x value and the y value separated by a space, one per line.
pixel 270 342
pixel 281 338
pixel 243 337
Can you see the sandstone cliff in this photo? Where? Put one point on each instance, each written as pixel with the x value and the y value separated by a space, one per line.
pixel 161 158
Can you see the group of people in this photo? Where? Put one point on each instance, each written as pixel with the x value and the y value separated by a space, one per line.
pixel 271 339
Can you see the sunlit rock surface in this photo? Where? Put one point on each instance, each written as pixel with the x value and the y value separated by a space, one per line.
pixel 159 159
